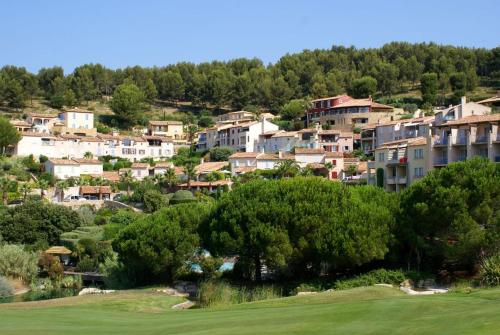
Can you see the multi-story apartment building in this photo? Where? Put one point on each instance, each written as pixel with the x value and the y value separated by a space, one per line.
pixel 317 159
pixel 75 121
pixel 240 136
pixel 458 140
pixel 239 116
pixel 458 133
pixel 131 147
pixel 172 129
pixel 374 135
pixel 402 162
pixel 343 112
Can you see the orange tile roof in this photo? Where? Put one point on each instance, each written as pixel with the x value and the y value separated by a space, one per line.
pixel 165 123
pixel 94 189
pixel 285 134
pixel 78 110
pixel 474 119
pixel 208 167
pixel 330 98
pixel 362 103
pixel 140 165
pixel 335 154
pixel 87 161
pixel 111 176
pixel 20 123
pixel 245 155
pixel 408 141
pixel 309 151
pixel 58 161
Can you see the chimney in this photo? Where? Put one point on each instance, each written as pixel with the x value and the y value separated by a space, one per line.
pixel 202 160
pixel 463 100
pixel 280 154
pixel 263 125
pixel 370 98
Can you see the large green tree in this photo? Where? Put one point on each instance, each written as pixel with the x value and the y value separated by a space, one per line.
pixel 128 102
pixel 157 246
pixel 451 217
pixel 291 224
pixel 37 222
pixel 8 135
pixel 363 87
pixel 429 87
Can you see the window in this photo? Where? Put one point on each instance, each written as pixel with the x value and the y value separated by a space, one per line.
pixel 419 153
pixel 381 157
pixel 346 148
pixel 74 116
pixel 419 172
pixel 86 116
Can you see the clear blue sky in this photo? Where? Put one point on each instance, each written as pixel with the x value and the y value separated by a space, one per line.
pixel 118 33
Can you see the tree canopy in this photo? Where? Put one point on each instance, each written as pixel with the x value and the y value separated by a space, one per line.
pixel 291 224
pixel 450 217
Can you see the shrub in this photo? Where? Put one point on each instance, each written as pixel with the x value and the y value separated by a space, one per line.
pixel 87 264
pixel 154 200
pixel 380 276
pixel 51 266
pixel 213 293
pixel 490 270
pixel 87 215
pixel 74 282
pixel 5 288
pixel 17 263
pixel 220 154
pixel 182 196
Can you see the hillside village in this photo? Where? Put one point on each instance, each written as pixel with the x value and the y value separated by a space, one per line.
pixel 343 139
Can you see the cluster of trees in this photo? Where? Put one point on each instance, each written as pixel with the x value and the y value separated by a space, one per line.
pixel 243 82
pixel 304 226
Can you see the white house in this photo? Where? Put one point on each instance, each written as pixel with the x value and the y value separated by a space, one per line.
pixel 62 168
pixel 90 166
pixel 140 170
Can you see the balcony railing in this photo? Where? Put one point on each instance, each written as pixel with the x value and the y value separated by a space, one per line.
pixel 481 139
pixel 441 141
pixel 441 161
pixel 461 140
pixel 391 180
pixel 402 180
pixel 497 159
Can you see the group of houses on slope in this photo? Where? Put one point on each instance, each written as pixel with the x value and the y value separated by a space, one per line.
pixel 402 150
pixel 72 134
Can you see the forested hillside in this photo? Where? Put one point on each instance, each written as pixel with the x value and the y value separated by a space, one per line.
pixel 394 68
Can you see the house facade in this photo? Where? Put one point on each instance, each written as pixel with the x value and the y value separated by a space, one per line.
pixel 172 129
pixel 343 112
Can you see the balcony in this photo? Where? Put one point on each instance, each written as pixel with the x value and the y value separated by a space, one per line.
pixel 497 159
pixel 481 139
pixel 402 180
pixel 441 141
pixel 441 161
pixel 391 180
pixel 461 140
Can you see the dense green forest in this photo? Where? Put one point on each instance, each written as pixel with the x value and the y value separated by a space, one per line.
pixel 393 68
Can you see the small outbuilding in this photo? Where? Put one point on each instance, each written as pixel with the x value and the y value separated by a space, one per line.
pixel 60 251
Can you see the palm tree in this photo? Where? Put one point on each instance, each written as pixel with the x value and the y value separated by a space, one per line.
pixel 190 171
pixel 351 170
pixel 42 184
pixel 329 167
pixel 159 178
pixel 127 178
pixel 4 189
pixel 171 178
pixel 25 188
pixel 88 155
pixel 287 168
pixel 61 186
pixel 211 177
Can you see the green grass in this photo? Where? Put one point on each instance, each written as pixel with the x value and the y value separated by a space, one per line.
pixel 373 310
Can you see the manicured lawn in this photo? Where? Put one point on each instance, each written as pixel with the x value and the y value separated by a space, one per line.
pixel 374 310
